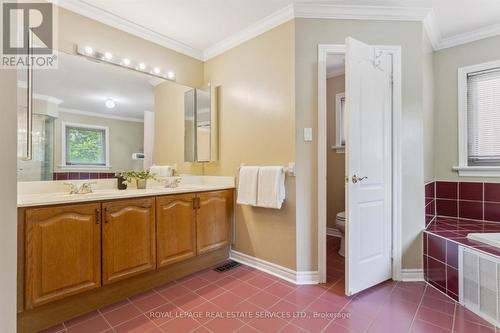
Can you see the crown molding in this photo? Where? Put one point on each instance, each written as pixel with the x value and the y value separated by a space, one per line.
pixel 384 13
pixel 431 29
pixel 85 9
pixel 299 9
pixel 468 37
pixel 267 23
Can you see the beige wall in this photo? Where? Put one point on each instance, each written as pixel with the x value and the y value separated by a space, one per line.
pixel 125 138
pixel 75 29
pixel 8 200
pixel 335 160
pixel 308 34
pixel 446 64
pixel 256 127
pixel 428 106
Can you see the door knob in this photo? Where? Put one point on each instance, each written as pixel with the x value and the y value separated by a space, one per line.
pixel 356 179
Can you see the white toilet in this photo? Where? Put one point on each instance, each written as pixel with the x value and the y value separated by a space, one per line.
pixel 340 222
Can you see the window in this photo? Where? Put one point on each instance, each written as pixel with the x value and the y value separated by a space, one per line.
pixel 479 123
pixel 85 146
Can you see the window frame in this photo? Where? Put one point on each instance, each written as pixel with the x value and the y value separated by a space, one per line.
pixel 463 167
pixel 64 162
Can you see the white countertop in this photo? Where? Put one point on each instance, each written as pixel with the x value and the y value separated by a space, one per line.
pixel 31 195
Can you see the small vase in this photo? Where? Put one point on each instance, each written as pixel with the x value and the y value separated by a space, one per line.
pixel 121 183
pixel 141 184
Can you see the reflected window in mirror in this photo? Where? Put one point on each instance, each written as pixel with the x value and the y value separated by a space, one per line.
pixel 85 145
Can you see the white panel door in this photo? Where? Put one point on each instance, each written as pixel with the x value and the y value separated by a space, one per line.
pixel 368 166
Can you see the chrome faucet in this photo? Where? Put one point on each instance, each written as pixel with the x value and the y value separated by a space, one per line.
pixel 84 188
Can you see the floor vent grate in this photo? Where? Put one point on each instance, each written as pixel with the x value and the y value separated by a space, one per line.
pixel 227 266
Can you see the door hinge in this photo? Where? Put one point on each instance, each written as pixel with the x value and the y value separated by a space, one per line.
pixel 97 216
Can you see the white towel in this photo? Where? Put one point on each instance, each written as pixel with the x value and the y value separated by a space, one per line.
pixel 162 170
pixel 271 187
pixel 247 185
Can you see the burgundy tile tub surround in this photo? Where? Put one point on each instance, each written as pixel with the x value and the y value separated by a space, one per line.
pixel 459 208
pixel 468 200
pixel 430 202
pixel 81 175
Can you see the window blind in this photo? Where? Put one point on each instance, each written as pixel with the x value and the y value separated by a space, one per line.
pixel 483 117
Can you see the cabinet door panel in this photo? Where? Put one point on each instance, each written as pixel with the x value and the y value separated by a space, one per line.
pixel 176 228
pixel 213 221
pixel 63 252
pixel 128 238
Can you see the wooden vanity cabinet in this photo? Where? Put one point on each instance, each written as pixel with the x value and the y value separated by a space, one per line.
pixel 128 239
pixel 213 220
pixel 176 228
pixel 62 252
pixel 71 249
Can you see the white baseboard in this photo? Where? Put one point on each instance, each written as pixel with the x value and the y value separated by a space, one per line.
pixel 412 274
pixel 333 232
pixel 302 277
pixel 307 277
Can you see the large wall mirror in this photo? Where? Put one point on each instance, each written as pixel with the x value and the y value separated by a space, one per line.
pixel 90 119
pixel 87 120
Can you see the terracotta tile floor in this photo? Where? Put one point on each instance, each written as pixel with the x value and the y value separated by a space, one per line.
pixel 197 302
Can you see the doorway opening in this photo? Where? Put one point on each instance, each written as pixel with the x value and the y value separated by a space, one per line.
pixel 359 173
pixel 335 150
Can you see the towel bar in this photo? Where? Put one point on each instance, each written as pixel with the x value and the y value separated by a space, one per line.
pixel 288 169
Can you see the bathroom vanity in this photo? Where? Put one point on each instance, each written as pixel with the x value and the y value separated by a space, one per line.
pixel 77 253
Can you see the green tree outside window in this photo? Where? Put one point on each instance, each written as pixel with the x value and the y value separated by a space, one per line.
pixel 85 146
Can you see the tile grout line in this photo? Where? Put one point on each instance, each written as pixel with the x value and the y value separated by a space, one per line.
pixel 106 320
pixel 418 308
pixel 454 318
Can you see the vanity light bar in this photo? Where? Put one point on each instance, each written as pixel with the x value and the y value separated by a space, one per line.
pixel 110 58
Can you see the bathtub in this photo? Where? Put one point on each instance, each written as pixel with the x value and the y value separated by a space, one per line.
pixel 492 239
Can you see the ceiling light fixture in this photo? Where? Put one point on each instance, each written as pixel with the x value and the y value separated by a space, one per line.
pixel 110 104
pixel 108 57
pixel 88 50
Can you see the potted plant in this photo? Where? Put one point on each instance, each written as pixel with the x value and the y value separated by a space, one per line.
pixel 141 178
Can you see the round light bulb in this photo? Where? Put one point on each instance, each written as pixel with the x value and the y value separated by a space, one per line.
pixel 157 70
pixel 108 55
pixel 171 75
pixel 110 104
pixel 142 66
pixel 88 50
pixel 126 61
